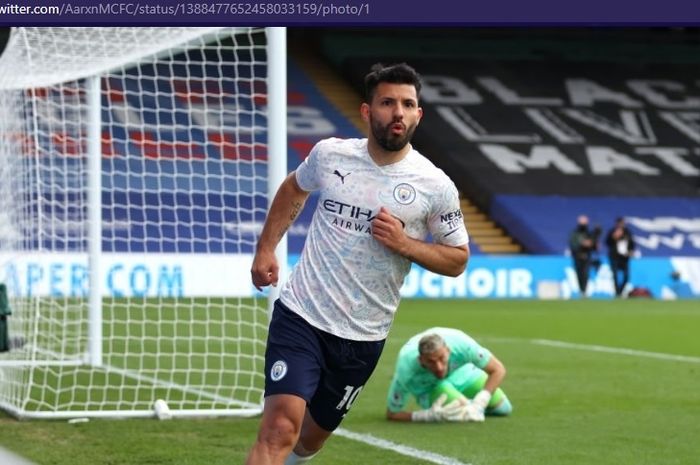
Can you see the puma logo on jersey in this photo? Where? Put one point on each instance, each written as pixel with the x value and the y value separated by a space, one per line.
pixel 341 176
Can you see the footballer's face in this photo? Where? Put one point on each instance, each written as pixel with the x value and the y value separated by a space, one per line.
pixel 437 362
pixel 393 115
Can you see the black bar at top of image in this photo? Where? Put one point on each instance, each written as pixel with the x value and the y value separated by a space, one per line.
pixel 348 12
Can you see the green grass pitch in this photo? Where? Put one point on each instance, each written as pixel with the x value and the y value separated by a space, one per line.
pixel 592 382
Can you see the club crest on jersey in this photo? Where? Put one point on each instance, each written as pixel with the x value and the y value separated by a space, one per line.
pixel 404 193
pixel 278 370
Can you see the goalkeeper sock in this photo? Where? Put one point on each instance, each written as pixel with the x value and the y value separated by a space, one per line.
pixel 504 408
pixel 294 459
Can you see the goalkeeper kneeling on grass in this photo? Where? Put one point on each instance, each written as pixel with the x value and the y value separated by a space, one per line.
pixel 451 377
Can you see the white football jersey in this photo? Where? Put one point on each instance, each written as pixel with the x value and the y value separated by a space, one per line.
pixel 346 282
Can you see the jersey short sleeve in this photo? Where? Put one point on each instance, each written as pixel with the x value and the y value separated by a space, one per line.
pixel 446 222
pixel 464 349
pixel 308 173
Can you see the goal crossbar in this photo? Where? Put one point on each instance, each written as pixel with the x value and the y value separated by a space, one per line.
pixel 128 159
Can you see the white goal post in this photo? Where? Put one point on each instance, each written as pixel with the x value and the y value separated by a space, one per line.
pixel 136 168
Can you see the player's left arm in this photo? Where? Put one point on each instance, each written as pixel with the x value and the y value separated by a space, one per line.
pixel 439 258
pixel 496 371
pixel 396 401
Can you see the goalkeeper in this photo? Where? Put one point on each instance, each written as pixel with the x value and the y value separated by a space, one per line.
pixel 451 377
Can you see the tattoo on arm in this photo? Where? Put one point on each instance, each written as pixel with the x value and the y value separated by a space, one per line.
pixel 296 208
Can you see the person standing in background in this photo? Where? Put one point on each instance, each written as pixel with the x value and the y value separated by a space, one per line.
pixel 582 244
pixel 620 248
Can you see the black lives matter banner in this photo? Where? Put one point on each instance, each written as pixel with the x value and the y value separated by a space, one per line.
pixel 547 128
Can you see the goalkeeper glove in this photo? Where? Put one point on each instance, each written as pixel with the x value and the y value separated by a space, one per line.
pixel 457 409
pixel 437 412
pixel 482 399
pixel 464 411
pixel 475 411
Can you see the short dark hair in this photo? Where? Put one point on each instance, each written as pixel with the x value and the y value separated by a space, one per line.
pixel 399 73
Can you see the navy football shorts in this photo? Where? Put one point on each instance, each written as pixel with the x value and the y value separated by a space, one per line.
pixel 327 371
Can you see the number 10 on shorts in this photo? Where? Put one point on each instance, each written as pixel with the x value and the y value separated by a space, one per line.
pixel 351 394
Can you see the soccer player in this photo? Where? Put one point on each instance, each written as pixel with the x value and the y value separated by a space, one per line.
pixel 443 368
pixel 379 200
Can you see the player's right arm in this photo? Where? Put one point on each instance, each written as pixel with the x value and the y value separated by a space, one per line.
pixel 286 206
pixel 440 410
pixel 398 416
pixel 397 400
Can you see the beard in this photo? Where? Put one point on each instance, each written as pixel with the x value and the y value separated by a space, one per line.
pixel 386 139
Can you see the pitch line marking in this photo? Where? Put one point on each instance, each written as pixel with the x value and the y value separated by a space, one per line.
pixel 398 448
pixel 597 348
pixel 10 458
pixel 616 350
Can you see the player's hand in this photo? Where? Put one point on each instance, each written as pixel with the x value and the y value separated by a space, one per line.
pixel 388 230
pixel 465 412
pixel 265 270
pixel 436 412
pixel 476 408
pixel 482 399
pixel 473 413
pixel 454 411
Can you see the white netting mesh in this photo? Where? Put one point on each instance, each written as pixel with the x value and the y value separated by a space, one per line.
pixel 45 56
pixel 183 150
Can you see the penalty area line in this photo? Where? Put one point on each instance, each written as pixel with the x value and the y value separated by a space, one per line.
pixel 616 350
pixel 399 448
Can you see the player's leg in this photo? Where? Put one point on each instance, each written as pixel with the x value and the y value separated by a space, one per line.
pixel 448 389
pixel 499 403
pixel 469 380
pixel 349 364
pixel 279 429
pixel 310 441
pixel 501 407
pixel 292 373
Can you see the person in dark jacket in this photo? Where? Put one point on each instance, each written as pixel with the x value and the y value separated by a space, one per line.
pixel 582 243
pixel 620 248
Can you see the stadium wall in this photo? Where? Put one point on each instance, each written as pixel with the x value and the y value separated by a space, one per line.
pixel 199 275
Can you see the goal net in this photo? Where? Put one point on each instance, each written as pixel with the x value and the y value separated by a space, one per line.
pixel 134 178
